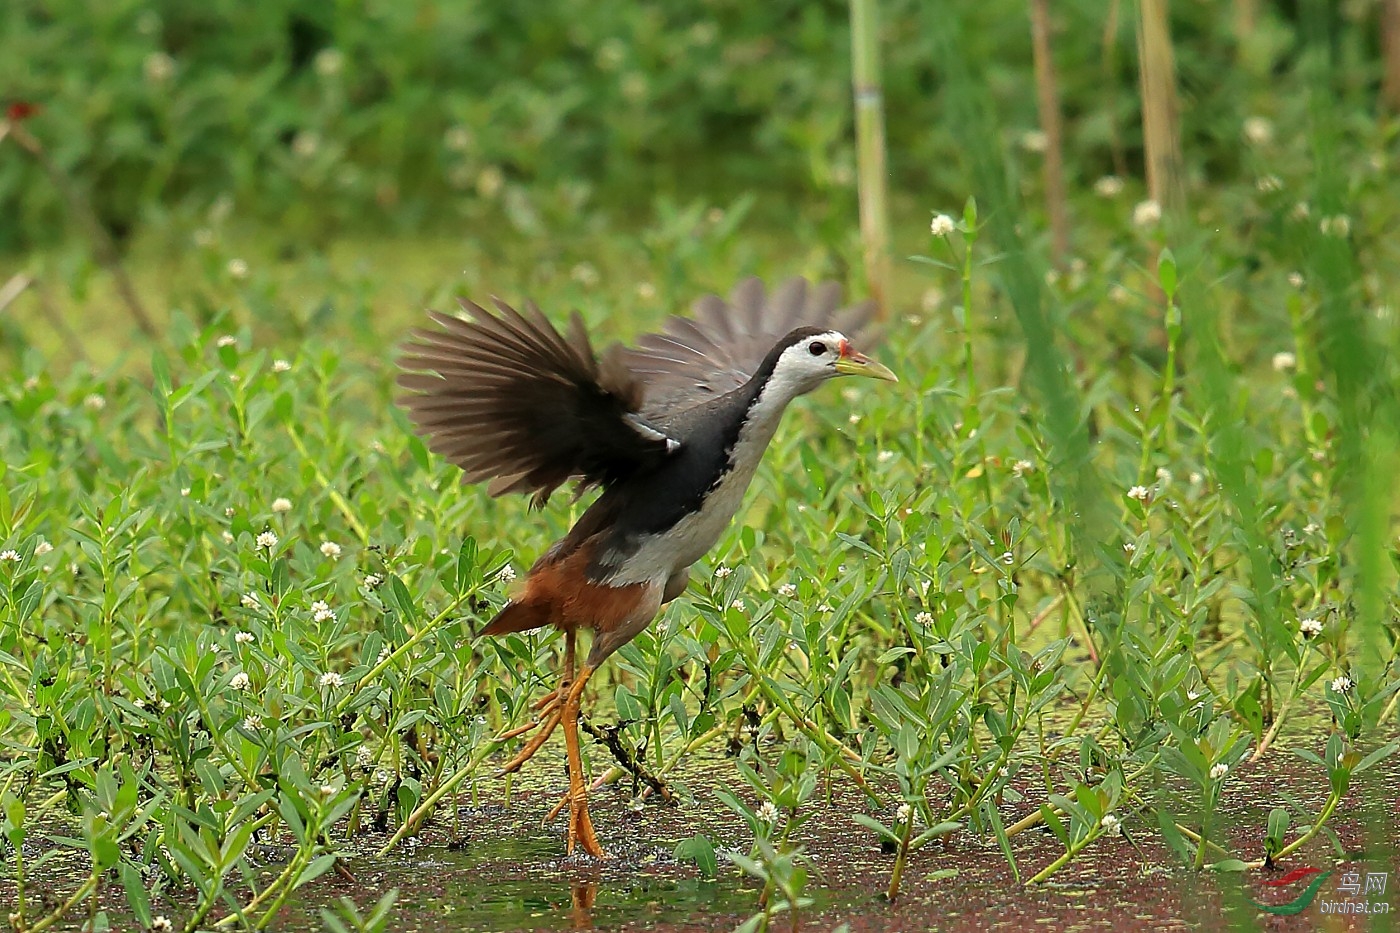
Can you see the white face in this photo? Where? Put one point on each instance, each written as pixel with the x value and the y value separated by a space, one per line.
pixel 807 364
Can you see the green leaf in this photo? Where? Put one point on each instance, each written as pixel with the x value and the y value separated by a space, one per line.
pixel 701 851
pixel 137 897
pixel 1228 865
pixel 1166 273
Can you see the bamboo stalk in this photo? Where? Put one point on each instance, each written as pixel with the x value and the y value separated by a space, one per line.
pixel 1052 125
pixel 1246 18
pixel 1161 127
pixel 1390 55
pixel 870 149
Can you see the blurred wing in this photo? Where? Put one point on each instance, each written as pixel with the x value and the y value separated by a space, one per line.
pixel 716 351
pixel 508 398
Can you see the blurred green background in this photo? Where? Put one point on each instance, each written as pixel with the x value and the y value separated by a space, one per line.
pixel 308 121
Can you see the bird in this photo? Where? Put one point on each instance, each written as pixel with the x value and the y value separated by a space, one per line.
pixel 670 431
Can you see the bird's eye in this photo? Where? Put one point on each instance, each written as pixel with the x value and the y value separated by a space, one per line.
pixel 817 349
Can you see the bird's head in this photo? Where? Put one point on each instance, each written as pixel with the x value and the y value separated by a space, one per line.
pixel 808 357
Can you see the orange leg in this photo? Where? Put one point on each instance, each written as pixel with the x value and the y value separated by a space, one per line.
pixel 549 711
pixel 580 824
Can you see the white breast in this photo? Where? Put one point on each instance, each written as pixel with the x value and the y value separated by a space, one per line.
pixel 661 555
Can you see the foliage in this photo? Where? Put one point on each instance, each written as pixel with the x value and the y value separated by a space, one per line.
pixel 1122 525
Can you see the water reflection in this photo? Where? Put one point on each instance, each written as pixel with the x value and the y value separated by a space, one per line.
pixel 584 893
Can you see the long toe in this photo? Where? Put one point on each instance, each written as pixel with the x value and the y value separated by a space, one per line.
pixel 534 745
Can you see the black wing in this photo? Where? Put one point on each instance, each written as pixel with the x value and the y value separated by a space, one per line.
pixel 693 360
pixel 508 398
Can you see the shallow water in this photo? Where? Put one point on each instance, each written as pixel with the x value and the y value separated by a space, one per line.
pixel 501 870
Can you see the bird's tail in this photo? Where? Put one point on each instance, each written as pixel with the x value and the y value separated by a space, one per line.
pixel 516 617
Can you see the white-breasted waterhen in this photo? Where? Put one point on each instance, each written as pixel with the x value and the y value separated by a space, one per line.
pixel 671 430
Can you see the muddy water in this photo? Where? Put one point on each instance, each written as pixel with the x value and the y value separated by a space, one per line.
pixel 501 870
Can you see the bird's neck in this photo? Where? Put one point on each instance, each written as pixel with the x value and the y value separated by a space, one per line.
pixel 769 398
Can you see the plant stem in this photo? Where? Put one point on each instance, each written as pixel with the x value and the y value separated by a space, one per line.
pixel 870 149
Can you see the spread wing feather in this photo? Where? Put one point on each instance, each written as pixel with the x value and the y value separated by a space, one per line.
pixel 509 399
pixel 717 349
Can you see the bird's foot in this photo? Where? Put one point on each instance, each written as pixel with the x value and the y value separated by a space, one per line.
pixel 581 833
pixel 546 726
pixel 542 708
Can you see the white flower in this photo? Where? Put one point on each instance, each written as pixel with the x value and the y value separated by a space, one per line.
pixel 158 67
pixel 1111 824
pixel 384 654
pixel 1035 141
pixel 227 536
pixel 281 366
pixel 332 679
pixel 252 722
pixel 42 548
pixel 1140 493
pixel 243 638
pixel 329 62
pixel 364 757
pixel 787 590
pixel 768 813
pixel 281 504
pixel 227 340
pixel 238 268
pixel 240 682
pixel 942 225
pixel 161 924
pixel 902 814
pixel 372 580
pixel 1119 294
pixel 1258 130
pixel 1310 627
pixel 722 572
pixel 1147 214
pixel 1338 225
pixel 646 291
pixel 739 605
pixel 306 143
pixel 585 274
pixel 507 574
pixel 1343 684
pixel 95 402
pixel 1129 548
pixel 884 456
pixel 267 540
pixel 825 607
pixel 1008 558
pixel 327 790
pixel 1109 186
pixel 853 419
pixel 490 181
pixel 1311 528
pixel 1295 279
pixel 924 618
pixel 248 601
pixel 10 555
pixel 330 549
pixel 1021 467
pixel 1268 183
pixel 457 138
pixel 930 301
pixel 321 611
pixel 1219 770
pixel 1164 476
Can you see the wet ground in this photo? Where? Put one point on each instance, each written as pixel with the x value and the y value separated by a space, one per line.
pixel 505 872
